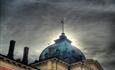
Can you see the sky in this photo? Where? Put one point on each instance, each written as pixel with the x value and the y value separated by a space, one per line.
pixel 89 24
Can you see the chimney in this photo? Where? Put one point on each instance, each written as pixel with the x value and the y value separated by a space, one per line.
pixel 11 49
pixel 25 55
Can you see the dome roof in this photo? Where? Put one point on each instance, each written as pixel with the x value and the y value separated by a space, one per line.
pixel 62 49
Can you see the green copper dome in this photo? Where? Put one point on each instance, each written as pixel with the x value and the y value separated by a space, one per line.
pixel 62 49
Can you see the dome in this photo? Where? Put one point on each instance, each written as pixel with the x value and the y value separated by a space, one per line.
pixel 63 50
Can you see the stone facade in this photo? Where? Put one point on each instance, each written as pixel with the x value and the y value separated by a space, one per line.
pixel 56 64
pixel 88 64
pixel 50 64
pixel 9 64
pixel 59 56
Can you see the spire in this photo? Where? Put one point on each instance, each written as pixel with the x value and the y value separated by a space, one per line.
pixel 62 22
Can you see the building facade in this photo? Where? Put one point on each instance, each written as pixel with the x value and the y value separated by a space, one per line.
pixel 59 56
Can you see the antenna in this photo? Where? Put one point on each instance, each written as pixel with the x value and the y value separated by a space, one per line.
pixel 62 22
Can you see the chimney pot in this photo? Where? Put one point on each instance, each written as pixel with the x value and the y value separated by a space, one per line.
pixel 11 49
pixel 25 55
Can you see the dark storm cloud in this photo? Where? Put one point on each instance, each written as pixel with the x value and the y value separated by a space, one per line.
pixel 33 23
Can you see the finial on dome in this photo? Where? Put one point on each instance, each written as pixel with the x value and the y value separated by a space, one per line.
pixel 62 22
pixel 62 35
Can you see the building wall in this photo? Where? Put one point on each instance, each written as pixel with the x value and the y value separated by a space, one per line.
pixel 93 66
pixel 87 65
pixel 42 66
pixel 80 67
pixel 7 64
pixel 52 65
pixel 56 64
pixel 61 66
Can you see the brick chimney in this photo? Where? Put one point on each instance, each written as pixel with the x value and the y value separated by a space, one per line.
pixel 11 49
pixel 25 55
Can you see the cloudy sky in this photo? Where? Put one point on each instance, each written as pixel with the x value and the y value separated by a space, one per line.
pixel 89 24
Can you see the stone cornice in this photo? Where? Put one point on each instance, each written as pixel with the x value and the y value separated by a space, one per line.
pixel 14 62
